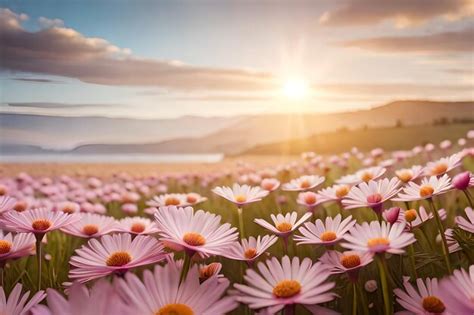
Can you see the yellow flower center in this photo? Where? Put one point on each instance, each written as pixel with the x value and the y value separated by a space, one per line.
pixel 41 224
pixel 90 229
pixel 410 215
pixel 366 176
pixel 426 191
pixel 5 247
pixel 172 201
pixel 433 305
pixel 208 271
pixel 328 236
pixel 310 198
pixel 405 176
pixel 305 184
pixel 439 169
pixel 194 239
pixel 374 242
pixel 175 309
pixel 118 259
pixel 342 191
pixel 137 227
pixel 284 227
pixel 250 253
pixel 350 261
pixel 287 288
pixel 240 198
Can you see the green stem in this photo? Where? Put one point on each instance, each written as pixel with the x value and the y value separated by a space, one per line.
pixel 443 236
pixel 363 299
pixel 241 222
pixel 411 255
pixel 468 197
pixel 2 277
pixel 39 256
pixel 382 265
pixel 354 299
pixel 186 265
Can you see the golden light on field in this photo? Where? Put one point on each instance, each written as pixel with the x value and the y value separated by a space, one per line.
pixel 296 89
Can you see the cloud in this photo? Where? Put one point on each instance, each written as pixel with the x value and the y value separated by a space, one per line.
pixel 59 105
pixel 48 23
pixel 446 42
pixel 401 12
pixel 65 52
pixel 36 80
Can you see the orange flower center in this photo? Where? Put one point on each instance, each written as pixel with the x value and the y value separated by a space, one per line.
pixel 208 271
pixel 287 288
pixel 350 261
pixel 310 198
pixel 433 305
pixel 305 184
pixel 410 215
pixel 250 253
pixel 439 169
pixel 426 191
pixel 191 199
pixel 118 259
pixel 375 198
pixel 137 227
pixel 175 309
pixel 366 176
pixel 378 241
pixel 172 201
pixel 405 176
pixel 240 198
pixel 5 247
pixel 20 206
pixel 284 227
pixel 342 191
pixel 68 208
pixel 268 185
pixel 90 229
pixel 328 236
pixel 41 224
pixel 194 239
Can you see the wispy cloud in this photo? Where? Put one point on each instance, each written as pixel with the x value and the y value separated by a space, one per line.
pixel 65 52
pixel 401 12
pixel 36 80
pixel 59 105
pixel 445 42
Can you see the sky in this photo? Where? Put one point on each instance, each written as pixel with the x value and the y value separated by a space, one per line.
pixel 165 59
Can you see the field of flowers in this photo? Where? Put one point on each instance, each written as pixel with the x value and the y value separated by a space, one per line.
pixel 356 233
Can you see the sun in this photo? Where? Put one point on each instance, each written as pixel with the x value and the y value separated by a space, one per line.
pixel 296 89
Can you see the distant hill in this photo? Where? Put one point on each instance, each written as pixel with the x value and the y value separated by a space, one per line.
pixel 240 134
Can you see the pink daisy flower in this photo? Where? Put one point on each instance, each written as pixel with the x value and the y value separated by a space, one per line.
pixel 6 203
pixel 287 283
pixel 372 194
pixel 270 184
pixel 166 200
pixel 363 175
pixel 327 234
pixel 16 246
pixel 283 225
pixel 114 254
pixel 334 193
pixel 378 238
pixel 406 175
pixel 309 199
pixel 37 221
pixel 453 245
pixel 241 195
pixel 348 262
pixel 101 299
pixel 304 183
pixel 466 225
pixel 91 225
pixel 428 188
pixel 425 300
pixel 162 293
pixel 414 219
pixel 193 198
pixel 68 207
pixel 16 304
pixel 195 232
pixel 137 226
pixel 250 249
pixel 457 291
pixel 442 166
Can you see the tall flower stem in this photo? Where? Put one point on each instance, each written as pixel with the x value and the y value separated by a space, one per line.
pixel 241 222
pixel 186 266
pixel 363 299
pixel 354 298
pixel 443 236
pixel 39 256
pixel 387 301
pixel 468 197
pixel 411 256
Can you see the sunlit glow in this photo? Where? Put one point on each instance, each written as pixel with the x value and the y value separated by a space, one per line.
pixel 296 89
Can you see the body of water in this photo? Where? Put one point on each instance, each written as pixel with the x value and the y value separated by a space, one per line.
pixel 111 158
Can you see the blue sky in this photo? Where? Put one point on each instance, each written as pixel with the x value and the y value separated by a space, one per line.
pixel 173 58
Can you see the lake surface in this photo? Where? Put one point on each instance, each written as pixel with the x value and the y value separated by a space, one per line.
pixel 111 158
